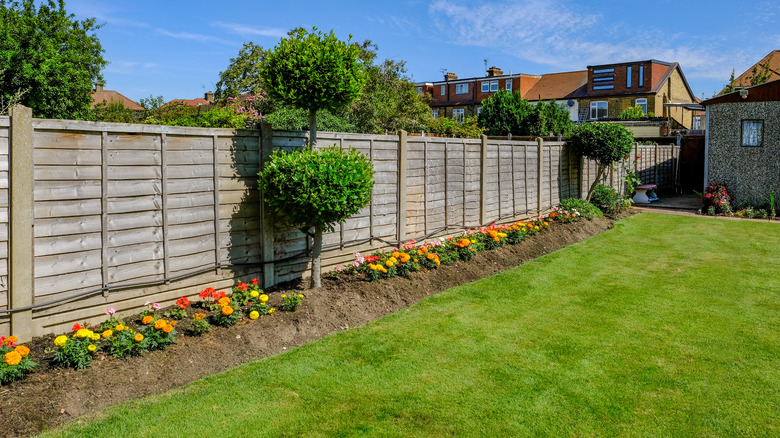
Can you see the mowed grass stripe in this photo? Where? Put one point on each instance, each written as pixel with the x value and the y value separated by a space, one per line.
pixel 663 326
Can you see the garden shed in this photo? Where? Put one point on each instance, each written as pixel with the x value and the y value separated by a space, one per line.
pixel 743 142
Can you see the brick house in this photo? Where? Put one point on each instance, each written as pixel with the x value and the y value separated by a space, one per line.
pixel 99 95
pixel 600 92
pixel 206 100
pixel 742 142
pixel 658 87
pixel 769 65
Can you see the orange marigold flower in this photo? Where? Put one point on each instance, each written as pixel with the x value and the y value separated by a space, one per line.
pixel 168 328
pixel 224 301
pixel 160 323
pixel 13 358
pixel 174 322
pixel 22 350
pixel 431 256
pixel 227 310
pixel 199 316
pixel 147 319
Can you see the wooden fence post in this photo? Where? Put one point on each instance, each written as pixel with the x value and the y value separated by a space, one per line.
pixel 403 164
pixel 266 221
pixel 483 180
pixel 540 175
pixel 21 222
pixel 655 162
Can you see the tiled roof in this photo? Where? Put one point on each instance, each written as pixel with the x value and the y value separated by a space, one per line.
pixel 111 95
pixel 190 102
pixel 772 60
pixel 559 86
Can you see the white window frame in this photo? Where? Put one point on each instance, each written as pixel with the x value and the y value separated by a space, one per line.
pixel 594 109
pixel 642 102
pixel 508 85
pixel 485 86
pixel 443 90
pixel 435 114
pixel 462 88
pixel 493 86
pixel 696 123
pixel 419 90
pixel 458 114
pixel 752 133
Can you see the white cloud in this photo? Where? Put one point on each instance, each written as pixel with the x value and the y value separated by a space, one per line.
pixel 194 37
pixel 245 30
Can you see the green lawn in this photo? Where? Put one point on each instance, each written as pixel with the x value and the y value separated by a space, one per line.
pixel 663 326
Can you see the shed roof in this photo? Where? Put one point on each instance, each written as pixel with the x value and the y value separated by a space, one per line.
pixel 769 91
pixel 563 85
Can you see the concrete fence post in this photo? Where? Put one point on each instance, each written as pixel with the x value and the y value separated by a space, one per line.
pixel 540 174
pixel 483 169
pixel 21 222
pixel 403 164
pixel 266 217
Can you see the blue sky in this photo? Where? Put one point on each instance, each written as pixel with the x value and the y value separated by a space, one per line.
pixel 176 49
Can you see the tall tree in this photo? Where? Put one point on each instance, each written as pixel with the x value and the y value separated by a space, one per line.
pixel 243 73
pixel 605 143
pixel 313 71
pixel 49 55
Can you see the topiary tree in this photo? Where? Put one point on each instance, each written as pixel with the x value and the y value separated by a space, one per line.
pixel 605 143
pixel 317 188
pixel 313 71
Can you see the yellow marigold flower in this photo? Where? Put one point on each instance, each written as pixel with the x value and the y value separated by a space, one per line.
pixel 254 294
pixel 82 333
pixel 473 241
pixel 396 254
pixel 107 333
pixel 13 358
pixel 227 310
pixel 300 295
pixel 415 260
pixel 546 224
pixel 139 337
pixel 389 263
pixel 95 336
pixel 254 314
pixel 22 350
pixel 91 347
pixel 384 271
pixel 119 328
pixel 437 262
pixel 263 298
pixel 147 319
pixel 536 227
pixel 373 266
pixel 271 310
pixel 419 253
pixel 160 324
pixel 59 341
pixel 284 295
pixel 224 301
pixel 168 328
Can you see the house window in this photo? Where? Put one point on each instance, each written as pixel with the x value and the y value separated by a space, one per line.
pixel 752 133
pixel 435 114
pixel 603 87
pixel 443 90
pixel 457 114
pixel 603 70
pixel 508 85
pixel 493 85
pixel 461 88
pixel 641 76
pixel 696 123
pixel 419 90
pixel 598 109
pixel 485 86
pixel 628 77
pixel 642 103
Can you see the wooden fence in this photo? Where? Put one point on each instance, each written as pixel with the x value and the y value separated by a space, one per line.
pixel 115 215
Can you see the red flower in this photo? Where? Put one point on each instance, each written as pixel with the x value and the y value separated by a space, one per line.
pixel 205 293
pixel 76 327
pixel 183 302
pixel 254 281
pixel 218 295
pixel 242 286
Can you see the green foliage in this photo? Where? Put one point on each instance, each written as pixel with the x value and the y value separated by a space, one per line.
pixel 75 351
pixel 632 180
pixel 633 112
pixel 243 73
pixel 291 301
pixel 152 103
pixel 581 206
pixel 608 200
pixel 200 325
pixel 317 187
pixel 296 119
pixel 605 143
pixel 113 111
pixel 507 113
pixel 122 342
pixel 15 360
pixel 447 127
pixel 50 56
pixel 313 71
pixel 389 99
pixel 158 333
pixel 178 114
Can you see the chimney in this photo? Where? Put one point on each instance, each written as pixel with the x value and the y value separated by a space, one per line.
pixel 98 87
pixel 449 76
pixel 494 71
pixel 209 97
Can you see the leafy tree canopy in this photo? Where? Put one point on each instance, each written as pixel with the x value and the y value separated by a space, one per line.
pixel 50 56
pixel 605 143
pixel 507 113
pixel 243 73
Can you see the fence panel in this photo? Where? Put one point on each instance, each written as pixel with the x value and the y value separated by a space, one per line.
pixel 4 165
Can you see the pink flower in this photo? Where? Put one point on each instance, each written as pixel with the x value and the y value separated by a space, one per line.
pixel 110 311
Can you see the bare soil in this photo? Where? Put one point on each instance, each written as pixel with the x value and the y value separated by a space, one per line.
pixel 50 395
